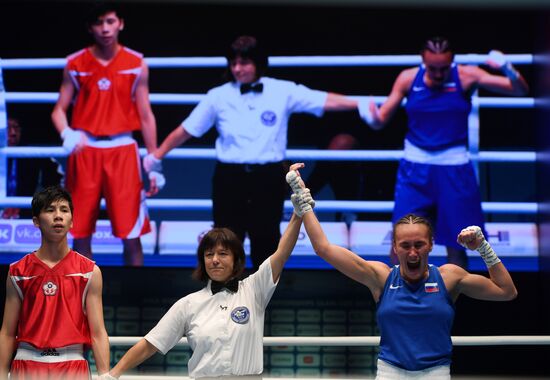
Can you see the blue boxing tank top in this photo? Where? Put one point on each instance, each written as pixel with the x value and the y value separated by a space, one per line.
pixel 438 117
pixel 415 322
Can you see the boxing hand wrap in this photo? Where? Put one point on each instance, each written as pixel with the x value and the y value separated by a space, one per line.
pixel 506 67
pixel 298 187
pixel 363 106
pixel 488 254
pixel 71 138
pixel 301 199
pixel 302 202
pixel 151 163
pixel 159 178
pixel 485 250
pixel 295 182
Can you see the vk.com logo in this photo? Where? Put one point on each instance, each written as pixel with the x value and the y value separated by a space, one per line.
pixel 5 233
pixel 27 234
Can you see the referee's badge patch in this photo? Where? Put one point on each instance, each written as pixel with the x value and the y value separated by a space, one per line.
pixel 269 118
pixel 240 315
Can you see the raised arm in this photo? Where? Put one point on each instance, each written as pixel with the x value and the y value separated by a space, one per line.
pixel 94 312
pixel 512 83
pixel 285 247
pixel 9 328
pixel 290 236
pixel 498 287
pixel 373 274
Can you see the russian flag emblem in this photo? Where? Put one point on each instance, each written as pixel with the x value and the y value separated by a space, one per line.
pixel 431 287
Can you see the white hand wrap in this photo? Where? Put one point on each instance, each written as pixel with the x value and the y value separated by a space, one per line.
pixel 151 163
pixel 363 106
pixel 485 250
pixel 106 376
pixel 506 67
pixel 302 202
pixel 301 199
pixel 71 138
pixel 159 178
pixel 295 182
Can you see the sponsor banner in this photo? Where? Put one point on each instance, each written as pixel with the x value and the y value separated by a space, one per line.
pixel 20 235
pixel 337 233
pixel 507 239
pixel 182 238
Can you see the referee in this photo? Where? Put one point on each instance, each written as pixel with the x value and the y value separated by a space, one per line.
pixel 251 114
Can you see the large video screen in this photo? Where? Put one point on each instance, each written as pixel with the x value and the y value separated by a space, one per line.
pixel 354 32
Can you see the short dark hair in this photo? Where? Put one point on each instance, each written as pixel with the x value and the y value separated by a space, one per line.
pixel 227 239
pixel 437 45
pixel 413 219
pixel 101 8
pixel 247 47
pixel 49 195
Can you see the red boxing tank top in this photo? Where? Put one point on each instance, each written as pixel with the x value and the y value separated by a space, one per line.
pixel 52 300
pixel 105 100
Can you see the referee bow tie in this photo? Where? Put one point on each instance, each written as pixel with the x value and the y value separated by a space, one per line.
pixel 231 285
pixel 248 87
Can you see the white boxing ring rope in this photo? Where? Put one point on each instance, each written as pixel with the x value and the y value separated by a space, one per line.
pixel 295 155
pixel 279 61
pixel 348 341
pixel 292 154
pixel 369 341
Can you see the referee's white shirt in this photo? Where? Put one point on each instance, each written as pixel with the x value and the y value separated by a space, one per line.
pixel 252 127
pixel 224 330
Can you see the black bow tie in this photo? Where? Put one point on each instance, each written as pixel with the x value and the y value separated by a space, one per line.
pixel 231 285
pixel 247 87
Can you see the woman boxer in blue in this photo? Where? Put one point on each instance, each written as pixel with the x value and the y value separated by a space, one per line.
pixel 436 178
pixel 415 300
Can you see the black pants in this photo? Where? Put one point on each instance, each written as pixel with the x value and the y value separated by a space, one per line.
pixel 249 198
